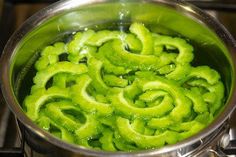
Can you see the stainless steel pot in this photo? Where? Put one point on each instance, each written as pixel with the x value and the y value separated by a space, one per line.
pixel 213 44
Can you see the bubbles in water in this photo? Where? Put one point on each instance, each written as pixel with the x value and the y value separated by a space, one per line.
pixel 123 14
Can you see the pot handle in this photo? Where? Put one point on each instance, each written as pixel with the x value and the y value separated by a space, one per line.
pixel 226 145
pixel 230 149
pixel 218 152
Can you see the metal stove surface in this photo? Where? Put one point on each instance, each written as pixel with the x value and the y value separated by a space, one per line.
pixel 15 12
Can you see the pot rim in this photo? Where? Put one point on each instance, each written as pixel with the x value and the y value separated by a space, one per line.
pixel 58 7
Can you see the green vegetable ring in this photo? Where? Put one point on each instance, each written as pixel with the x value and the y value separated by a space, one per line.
pixel 123 91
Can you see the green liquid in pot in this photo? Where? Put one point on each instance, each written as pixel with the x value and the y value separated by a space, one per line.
pixel 123 91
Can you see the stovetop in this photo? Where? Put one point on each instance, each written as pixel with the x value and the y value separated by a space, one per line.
pixel 15 12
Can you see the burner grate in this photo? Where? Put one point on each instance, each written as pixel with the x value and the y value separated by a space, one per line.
pixel 10 145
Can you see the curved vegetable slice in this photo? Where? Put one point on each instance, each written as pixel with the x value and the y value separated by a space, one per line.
pixel 104 36
pixel 43 76
pixel 216 93
pixel 116 54
pixel 95 70
pixel 133 43
pixel 182 104
pixel 115 81
pixel 109 67
pixel 34 102
pixel 145 141
pixel 122 144
pixel 199 105
pixel 185 50
pixel 151 95
pixel 126 108
pixel 204 72
pixel 63 80
pixel 87 103
pixel 162 123
pixel 50 55
pixel 107 140
pixel 78 41
pixel 138 125
pixel 218 90
pixel 180 72
pixel 56 49
pixel 60 80
pixel 89 129
pixel 132 90
pixel 54 111
pixel 193 127
pixel 145 37
pixel 48 124
pixel 166 69
pixel 84 53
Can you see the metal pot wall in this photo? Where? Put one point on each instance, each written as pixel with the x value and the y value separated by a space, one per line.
pixel 215 47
